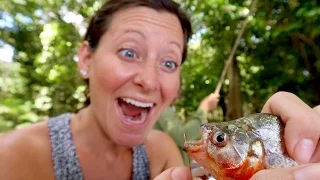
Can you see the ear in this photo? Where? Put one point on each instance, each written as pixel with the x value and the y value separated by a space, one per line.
pixel 84 59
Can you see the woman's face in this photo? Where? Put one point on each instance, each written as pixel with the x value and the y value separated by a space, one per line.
pixel 134 72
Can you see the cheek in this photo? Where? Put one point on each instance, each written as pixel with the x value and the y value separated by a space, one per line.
pixel 170 89
pixel 109 74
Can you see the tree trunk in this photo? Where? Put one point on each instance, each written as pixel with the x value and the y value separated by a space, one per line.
pixel 310 62
pixel 234 99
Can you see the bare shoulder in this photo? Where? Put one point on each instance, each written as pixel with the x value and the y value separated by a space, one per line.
pixel 160 142
pixel 157 135
pixel 162 151
pixel 26 153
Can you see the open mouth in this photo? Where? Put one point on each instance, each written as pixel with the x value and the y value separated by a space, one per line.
pixel 192 145
pixel 134 111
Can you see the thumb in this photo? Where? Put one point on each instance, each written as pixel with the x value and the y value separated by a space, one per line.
pixel 302 172
pixel 274 174
pixel 317 109
pixel 175 173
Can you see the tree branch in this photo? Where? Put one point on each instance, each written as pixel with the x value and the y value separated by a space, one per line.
pixel 311 43
pixel 235 46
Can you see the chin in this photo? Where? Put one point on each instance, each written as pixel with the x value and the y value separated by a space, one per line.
pixel 130 140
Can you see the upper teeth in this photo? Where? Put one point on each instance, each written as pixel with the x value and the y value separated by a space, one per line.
pixel 137 103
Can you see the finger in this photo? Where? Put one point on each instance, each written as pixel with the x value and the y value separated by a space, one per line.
pixel 274 174
pixel 215 95
pixel 303 172
pixel 308 172
pixel 316 155
pixel 175 173
pixel 317 109
pixel 302 130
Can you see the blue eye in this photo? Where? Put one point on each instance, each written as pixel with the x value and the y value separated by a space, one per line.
pixel 128 53
pixel 170 65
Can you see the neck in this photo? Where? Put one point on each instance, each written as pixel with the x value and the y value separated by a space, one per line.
pixel 88 133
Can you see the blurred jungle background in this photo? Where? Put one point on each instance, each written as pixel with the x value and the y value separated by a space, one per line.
pixel 279 51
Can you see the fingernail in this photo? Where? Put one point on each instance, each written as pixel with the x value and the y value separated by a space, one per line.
pixel 304 150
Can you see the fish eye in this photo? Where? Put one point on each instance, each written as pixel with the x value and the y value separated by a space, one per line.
pixel 219 139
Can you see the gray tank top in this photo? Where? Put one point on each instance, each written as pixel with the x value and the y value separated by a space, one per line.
pixel 66 162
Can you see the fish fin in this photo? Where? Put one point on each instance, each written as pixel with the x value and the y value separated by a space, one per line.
pixel 279 161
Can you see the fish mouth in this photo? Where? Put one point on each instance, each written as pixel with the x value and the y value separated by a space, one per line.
pixel 192 146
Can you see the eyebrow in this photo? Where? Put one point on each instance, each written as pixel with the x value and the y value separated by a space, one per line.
pixel 179 46
pixel 126 31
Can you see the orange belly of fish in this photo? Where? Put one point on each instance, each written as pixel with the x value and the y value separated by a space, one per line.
pixel 244 172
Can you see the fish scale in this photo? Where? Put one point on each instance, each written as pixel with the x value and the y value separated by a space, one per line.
pixel 249 144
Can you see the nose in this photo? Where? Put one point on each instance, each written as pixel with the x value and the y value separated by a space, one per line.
pixel 148 78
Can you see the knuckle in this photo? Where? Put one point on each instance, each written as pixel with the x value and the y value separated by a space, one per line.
pixel 284 94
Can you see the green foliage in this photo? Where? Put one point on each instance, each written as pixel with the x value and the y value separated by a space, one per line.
pixel 43 79
pixel 277 52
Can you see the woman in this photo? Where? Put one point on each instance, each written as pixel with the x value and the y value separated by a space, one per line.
pixel 131 57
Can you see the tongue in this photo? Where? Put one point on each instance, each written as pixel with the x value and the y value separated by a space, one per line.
pixel 129 109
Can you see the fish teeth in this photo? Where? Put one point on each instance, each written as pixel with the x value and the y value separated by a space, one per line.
pixel 138 103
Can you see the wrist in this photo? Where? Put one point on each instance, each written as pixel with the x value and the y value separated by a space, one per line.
pixel 203 107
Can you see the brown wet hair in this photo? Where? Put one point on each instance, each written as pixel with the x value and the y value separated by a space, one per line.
pixel 100 21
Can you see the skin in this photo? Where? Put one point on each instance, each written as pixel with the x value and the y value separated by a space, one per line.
pixel 310 129
pixel 134 59
pixel 210 102
pixel 302 130
pixel 143 78
pixel 317 109
pixel 302 172
pixel 301 123
pixel 175 173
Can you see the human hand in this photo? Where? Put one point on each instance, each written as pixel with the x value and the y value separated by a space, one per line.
pixel 305 171
pixel 317 109
pixel 316 156
pixel 302 126
pixel 210 102
pixel 302 131
pixel 175 173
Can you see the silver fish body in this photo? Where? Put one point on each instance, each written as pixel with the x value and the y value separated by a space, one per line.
pixel 237 149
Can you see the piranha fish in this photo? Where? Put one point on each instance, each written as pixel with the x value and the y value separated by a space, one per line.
pixel 238 149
